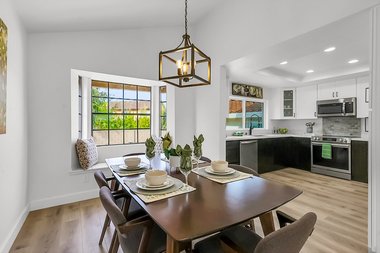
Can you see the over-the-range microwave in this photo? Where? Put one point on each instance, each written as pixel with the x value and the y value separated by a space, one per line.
pixel 336 107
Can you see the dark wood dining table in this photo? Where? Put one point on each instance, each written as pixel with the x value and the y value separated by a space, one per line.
pixel 212 207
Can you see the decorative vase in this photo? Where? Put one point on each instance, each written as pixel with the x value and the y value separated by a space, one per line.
pixel 174 162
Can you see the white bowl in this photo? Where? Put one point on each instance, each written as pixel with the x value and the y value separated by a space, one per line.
pixel 132 161
pixel 155 177
pixel 219 166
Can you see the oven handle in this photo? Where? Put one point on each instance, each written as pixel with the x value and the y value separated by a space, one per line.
pixel 332 144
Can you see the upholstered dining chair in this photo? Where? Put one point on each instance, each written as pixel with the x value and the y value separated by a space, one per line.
pixel 119 195
pixel 205 159
pixel 136 235
pixel 133 154
pixel 288 239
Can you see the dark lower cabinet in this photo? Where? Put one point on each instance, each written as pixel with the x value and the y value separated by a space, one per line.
pixel 233 152
pixel 276 153
pixel 359 161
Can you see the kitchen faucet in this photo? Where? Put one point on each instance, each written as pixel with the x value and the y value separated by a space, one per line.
pixel 251 127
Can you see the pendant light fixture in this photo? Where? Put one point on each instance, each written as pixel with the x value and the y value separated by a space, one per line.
pixel 186 65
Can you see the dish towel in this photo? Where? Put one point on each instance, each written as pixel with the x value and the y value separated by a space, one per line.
pixel 326 151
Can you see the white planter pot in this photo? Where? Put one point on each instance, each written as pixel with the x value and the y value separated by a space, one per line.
pixel 174 161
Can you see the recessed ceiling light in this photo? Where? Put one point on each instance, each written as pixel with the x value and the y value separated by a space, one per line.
pixel 353 61
pixel 284 62
pixel 310 71
pixel 329 49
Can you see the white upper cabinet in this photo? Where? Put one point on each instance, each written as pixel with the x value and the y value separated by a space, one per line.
pixel 289 103
pixel 362 90
pixel 306 101
pixel 337 89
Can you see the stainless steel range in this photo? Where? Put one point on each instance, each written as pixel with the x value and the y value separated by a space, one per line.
pixel 339 164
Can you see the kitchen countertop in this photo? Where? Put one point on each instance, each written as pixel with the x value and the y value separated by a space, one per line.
pixel 265 136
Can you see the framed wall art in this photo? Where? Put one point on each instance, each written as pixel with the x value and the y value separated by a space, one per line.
pixel 3 76
pixel 246 90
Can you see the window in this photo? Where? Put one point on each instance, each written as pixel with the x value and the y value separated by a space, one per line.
pixel 120 113
pixel 163 111
pixel 244 113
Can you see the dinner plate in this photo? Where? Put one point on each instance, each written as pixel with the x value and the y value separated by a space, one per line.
pixel 139 167
pixel 142 184
pixel 219 173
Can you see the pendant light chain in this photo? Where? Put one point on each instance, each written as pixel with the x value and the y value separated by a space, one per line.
pixel 186 17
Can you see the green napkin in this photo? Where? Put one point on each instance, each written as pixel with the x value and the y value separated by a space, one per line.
pixel 326 151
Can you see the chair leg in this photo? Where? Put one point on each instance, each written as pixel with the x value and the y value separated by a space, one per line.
pixel 114 241
pixel 105 225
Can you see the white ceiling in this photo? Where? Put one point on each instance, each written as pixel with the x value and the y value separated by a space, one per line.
pixel 350 36
pixel 81 15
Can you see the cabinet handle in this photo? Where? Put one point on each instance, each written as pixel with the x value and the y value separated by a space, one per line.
pixel 333 94
pixel 366 95
pixel 337 94
pixel 315 114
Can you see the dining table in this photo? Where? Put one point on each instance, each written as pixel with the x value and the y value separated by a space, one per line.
pixel 212 206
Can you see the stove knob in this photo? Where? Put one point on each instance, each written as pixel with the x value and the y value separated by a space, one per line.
pixel 340 140
pixel 345 140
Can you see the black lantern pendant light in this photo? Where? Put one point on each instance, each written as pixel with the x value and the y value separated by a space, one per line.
pixel 186 65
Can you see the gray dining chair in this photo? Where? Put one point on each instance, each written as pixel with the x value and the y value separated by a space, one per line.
pixel 133 154
pixel 205 159
pixel 288 239
pixel 119 195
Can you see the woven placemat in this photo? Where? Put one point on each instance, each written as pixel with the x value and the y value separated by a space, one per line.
pixel 151 196
pixel 222 179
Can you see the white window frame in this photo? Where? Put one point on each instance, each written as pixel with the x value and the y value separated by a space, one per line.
pixel 110 150
pixel 245 99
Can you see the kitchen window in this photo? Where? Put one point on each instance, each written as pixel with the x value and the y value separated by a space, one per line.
pixel 244 112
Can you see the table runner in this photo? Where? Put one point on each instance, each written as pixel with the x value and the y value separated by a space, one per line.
pixel 152 196
pixel 221 179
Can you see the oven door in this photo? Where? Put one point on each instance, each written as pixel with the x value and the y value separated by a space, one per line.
pixel 339 162
pixel 330 108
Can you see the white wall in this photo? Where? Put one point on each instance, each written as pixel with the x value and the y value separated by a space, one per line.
pixel 238 28
pixel 13 144
pixel 51 56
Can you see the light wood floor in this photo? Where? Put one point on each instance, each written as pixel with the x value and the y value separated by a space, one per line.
pixel 341 207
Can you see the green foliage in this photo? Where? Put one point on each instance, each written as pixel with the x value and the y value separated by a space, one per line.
pixel 100 105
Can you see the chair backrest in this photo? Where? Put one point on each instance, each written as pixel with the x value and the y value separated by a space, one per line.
pixel 109 204
pixel 289 239
pixel 206 159
pixel 244 169
pixel 133 154
pixel 100 179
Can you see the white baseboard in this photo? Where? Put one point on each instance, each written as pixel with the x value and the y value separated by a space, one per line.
pixel 7 244
pixel 63 199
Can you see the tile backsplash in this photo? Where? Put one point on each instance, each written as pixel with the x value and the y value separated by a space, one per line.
pixel 348 126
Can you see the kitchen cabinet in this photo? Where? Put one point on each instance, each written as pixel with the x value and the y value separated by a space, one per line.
pixel 275 153
pixel 362 100
pixel 337 89
pixel 289 103
pixel 359 161
pixel 306 101
pixel 233 152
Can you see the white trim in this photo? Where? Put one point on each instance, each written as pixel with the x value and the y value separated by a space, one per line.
pixel 63 199
pixel 9 240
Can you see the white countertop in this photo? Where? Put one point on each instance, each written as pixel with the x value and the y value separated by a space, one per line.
pixel 265 136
